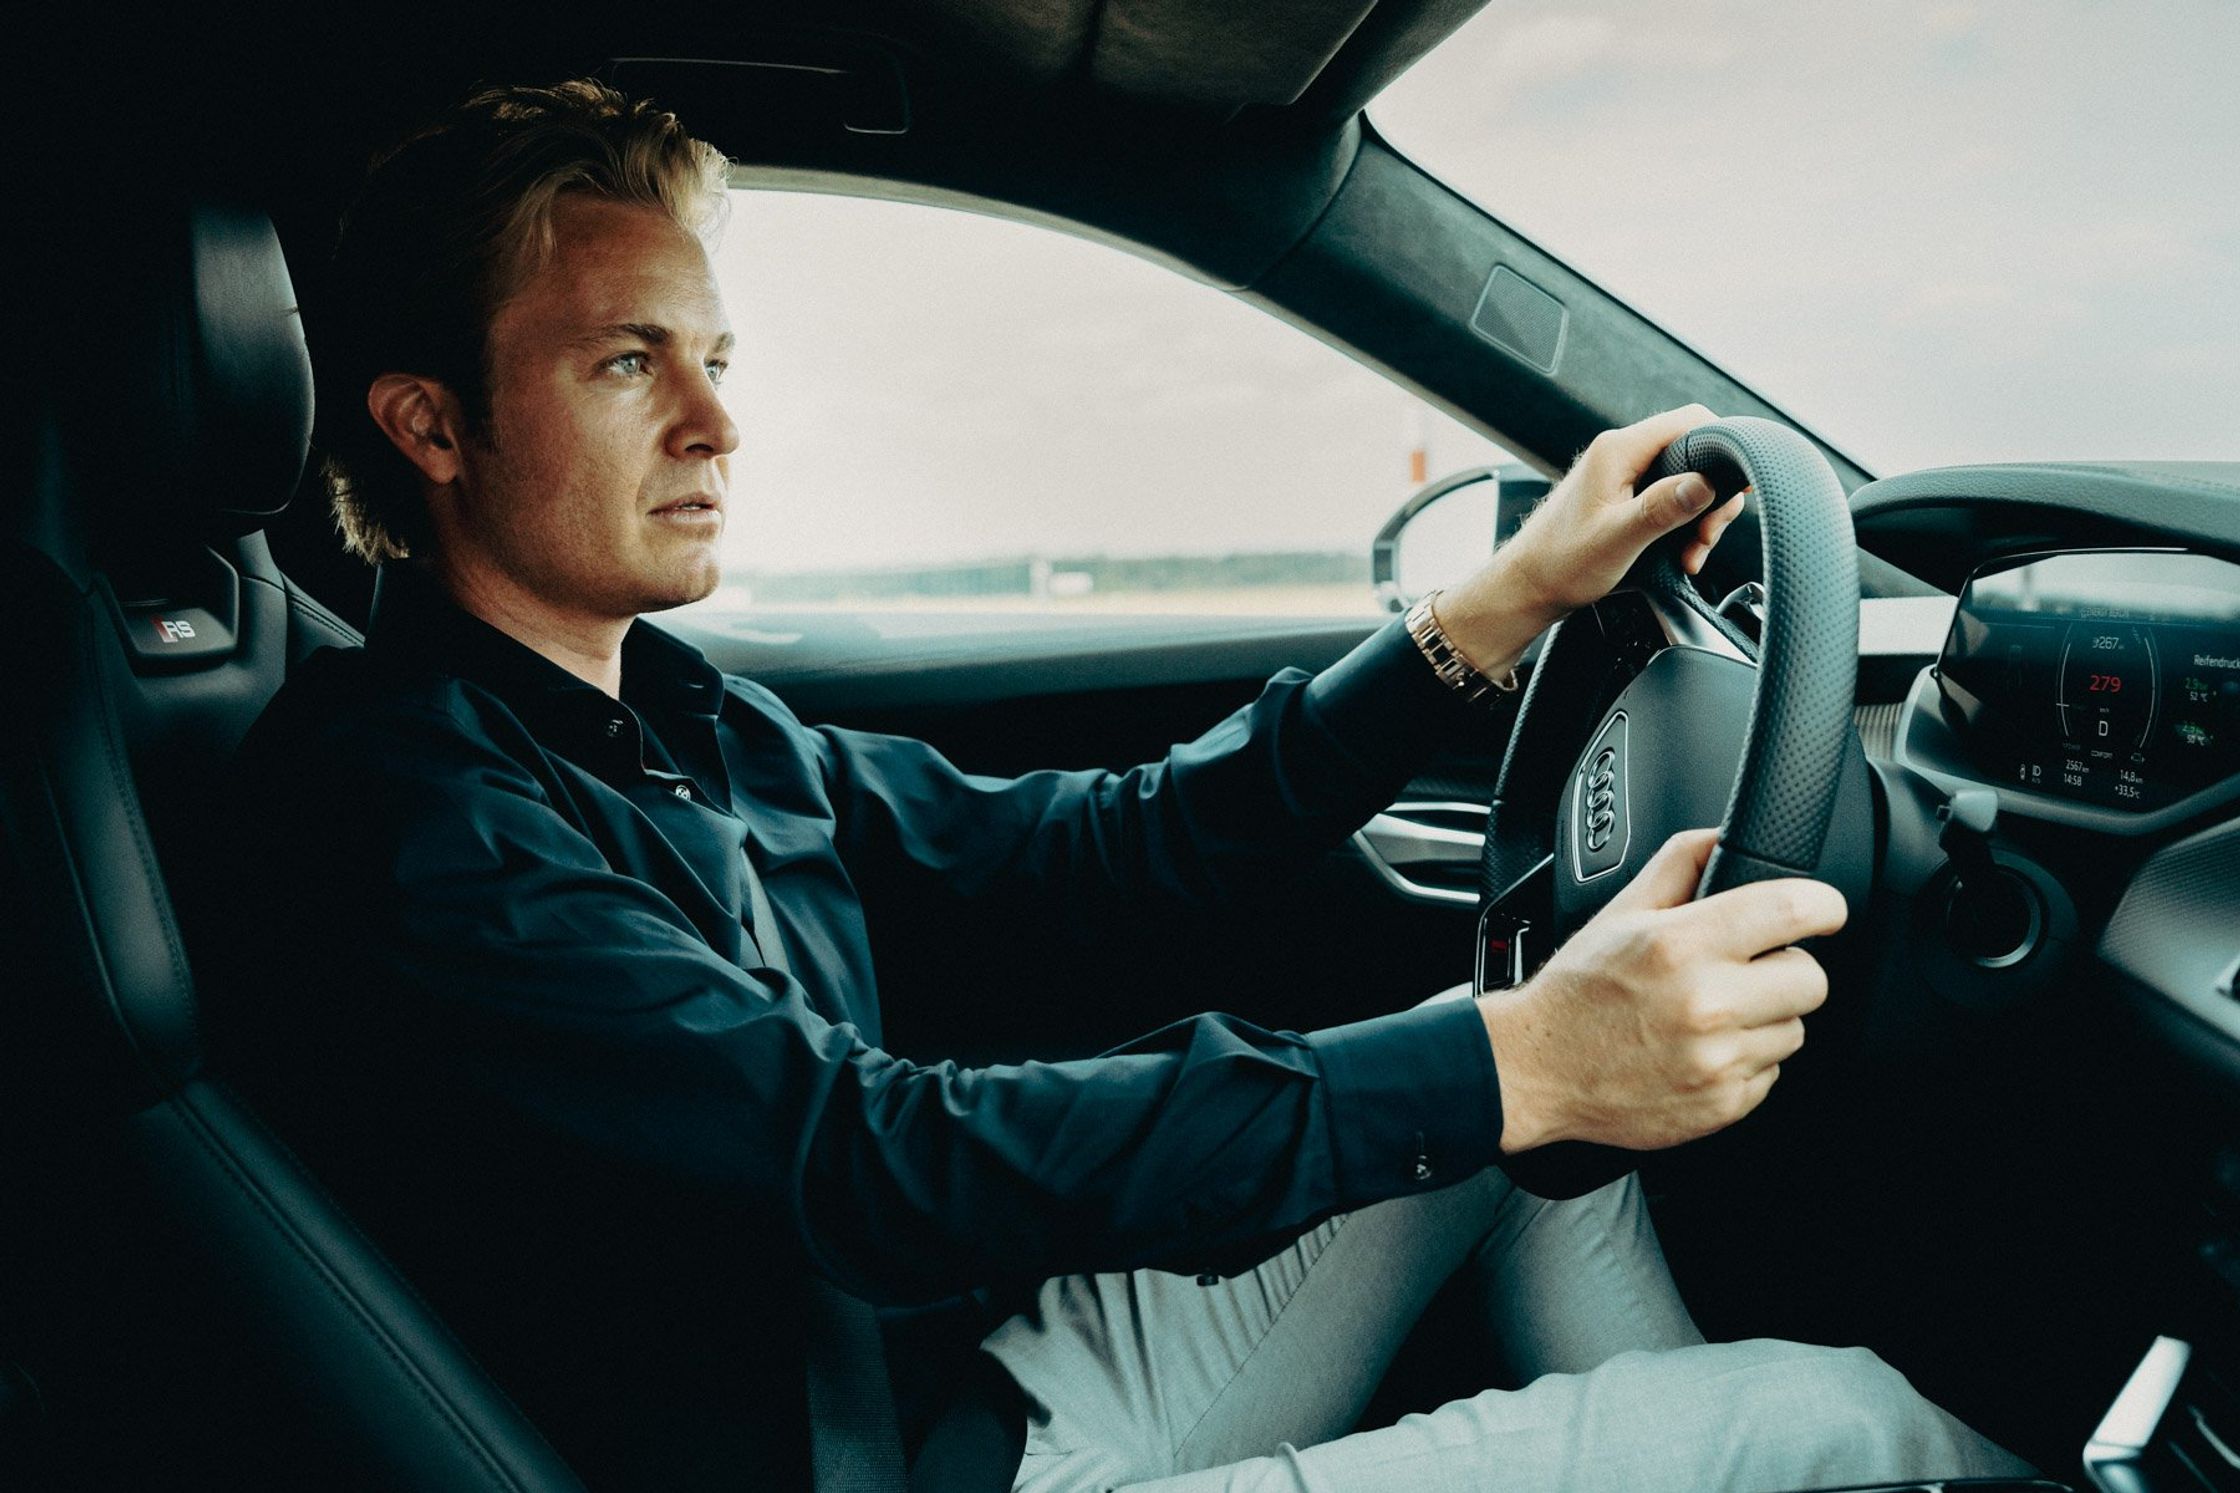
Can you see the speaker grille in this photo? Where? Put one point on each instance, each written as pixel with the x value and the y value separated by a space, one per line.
pixel 1520 318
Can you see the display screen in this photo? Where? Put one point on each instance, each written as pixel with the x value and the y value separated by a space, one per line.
pixel 2106 676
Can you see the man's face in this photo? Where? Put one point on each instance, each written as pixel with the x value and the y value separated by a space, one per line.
pixel 600 481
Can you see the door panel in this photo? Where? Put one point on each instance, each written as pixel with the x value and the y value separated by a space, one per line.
pixel 1009 694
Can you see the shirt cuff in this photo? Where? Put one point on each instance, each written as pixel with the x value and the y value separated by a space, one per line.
pixel 1383 704
pixel 1414 1102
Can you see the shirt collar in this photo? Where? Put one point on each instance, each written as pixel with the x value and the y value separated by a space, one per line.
pixel 414 615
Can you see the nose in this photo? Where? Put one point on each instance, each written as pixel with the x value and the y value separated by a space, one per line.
pixel 704 426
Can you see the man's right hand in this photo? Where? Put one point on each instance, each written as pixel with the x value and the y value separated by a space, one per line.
pixel 1663 1019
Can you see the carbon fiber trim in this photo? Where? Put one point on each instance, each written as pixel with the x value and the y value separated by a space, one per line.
pixel 2173 930
pixel 1878 728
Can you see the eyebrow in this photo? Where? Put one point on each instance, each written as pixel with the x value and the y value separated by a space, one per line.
pixel 639 331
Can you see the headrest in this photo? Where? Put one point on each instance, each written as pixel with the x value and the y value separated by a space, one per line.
pixel 193 417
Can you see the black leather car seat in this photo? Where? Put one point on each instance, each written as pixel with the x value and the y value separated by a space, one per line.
pixel 187 1305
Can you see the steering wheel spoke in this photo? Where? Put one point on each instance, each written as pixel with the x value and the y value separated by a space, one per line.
pixel 1509 947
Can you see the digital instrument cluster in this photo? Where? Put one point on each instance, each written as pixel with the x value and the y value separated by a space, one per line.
pixel 2108 677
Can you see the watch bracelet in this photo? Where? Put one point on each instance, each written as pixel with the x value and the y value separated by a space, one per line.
pixel 1447 662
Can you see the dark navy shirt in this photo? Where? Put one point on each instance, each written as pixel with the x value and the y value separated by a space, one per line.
pixel 514 998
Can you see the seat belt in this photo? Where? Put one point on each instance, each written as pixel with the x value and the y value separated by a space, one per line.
pixel 855 1445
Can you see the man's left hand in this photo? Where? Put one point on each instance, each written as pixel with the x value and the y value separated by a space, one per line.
pixel 1582 540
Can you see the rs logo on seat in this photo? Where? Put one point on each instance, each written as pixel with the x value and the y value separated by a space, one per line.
pixel 173 632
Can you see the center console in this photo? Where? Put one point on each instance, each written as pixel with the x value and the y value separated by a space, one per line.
pixel 2174 1428
pixel 2175 1425
pixel 1971 1484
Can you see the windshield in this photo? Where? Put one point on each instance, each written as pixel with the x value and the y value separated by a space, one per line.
pixel 1932 233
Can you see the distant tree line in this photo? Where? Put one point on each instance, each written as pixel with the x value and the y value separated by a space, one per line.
pixel 1070 575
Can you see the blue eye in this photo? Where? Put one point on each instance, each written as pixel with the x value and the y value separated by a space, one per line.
pixel 636 363
pixel 716 370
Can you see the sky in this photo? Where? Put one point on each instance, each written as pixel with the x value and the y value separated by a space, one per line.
pixel 1933 233
pixel 915 384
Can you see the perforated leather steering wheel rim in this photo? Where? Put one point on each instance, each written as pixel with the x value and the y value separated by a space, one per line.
pixel 1784 792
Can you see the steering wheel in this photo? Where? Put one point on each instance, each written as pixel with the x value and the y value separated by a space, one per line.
pixel 1650 712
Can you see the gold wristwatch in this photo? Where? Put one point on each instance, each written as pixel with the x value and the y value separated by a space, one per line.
pixel 1448 663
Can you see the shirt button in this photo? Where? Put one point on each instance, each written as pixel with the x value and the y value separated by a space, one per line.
pixel 614 728
pixel 682 790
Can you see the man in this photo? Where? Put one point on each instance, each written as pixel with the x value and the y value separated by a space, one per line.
pixel 574 1001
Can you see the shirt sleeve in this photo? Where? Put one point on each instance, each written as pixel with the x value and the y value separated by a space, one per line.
pixel 507 956
pixel 1297 770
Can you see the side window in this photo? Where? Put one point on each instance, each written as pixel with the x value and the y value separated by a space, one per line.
pixel 944 410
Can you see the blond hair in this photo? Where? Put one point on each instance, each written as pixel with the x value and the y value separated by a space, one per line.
pixel 447 227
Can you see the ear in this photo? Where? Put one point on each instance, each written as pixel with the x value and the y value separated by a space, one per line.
pixel 421 419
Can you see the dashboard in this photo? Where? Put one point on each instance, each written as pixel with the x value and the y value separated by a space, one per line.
pixel 2089 674
pixel 2107 677
pixel 2090 671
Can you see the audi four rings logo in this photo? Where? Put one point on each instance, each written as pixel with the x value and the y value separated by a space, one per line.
pixel 1602 798
pixel 1599 827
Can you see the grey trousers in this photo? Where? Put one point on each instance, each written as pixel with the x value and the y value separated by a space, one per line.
pixel 1151 1381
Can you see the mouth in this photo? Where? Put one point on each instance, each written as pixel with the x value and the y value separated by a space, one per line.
pixel 695 506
